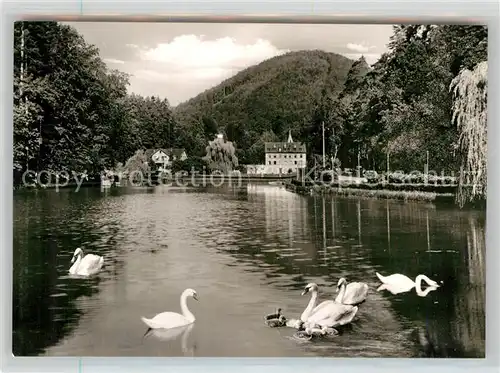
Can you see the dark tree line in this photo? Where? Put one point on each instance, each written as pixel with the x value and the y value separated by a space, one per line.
pixel 402 107
pixel 72 113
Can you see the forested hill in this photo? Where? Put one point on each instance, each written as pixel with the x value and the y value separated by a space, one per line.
pixel 263 102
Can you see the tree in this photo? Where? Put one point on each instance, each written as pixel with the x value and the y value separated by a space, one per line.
pixel 469 113
pixel 221 155
pixel 138 166
pixel 66 101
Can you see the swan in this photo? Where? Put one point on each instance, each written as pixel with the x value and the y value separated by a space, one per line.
pixel 397 290
pixel 327 315
pixel 167 320
pixel 398 283
pixel 351 294
pixel 85 265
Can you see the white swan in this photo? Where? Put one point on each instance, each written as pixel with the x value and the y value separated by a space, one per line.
pixel 85 265
pixel 327 315
pixel 395 290
pixel 167 320
pixel 398 283
pixel 353 293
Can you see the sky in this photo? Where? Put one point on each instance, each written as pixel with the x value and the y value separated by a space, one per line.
pixel 177 61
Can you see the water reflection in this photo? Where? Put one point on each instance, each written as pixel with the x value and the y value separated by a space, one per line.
pixel 250 253
pixel 170 335
pixel 47 228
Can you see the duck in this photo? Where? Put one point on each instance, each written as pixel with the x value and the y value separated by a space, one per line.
pixel 353 293
pixel 168 320
pixel 86 265
pixel 276 319
pixel 398 283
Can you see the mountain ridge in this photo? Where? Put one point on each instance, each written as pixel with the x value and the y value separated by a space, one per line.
pixel 264 101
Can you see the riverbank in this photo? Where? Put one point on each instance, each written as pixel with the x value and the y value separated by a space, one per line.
pixel 406 192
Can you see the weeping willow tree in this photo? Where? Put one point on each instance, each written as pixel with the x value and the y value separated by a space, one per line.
pixel 137 165
pixel 469 113
pixel 221 155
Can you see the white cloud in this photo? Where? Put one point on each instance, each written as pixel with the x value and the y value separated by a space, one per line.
pixel 189 64
pixel 134 46
pixel 113 60
pixel 196 57
pixel 361 48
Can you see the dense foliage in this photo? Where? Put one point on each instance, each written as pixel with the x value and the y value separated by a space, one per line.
pixel 470 89
pixel 221 155
pixel 73 114
pixel 262 103
pixel 397 114
pixel 401 110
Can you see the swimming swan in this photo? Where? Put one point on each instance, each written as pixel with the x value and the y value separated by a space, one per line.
pixel 351 294
pixel 85 265
pixel 327 315
pixel 167 320
pixel 398 283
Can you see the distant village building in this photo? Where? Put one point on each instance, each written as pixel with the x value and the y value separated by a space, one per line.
pixel 163 158
pixel 285 157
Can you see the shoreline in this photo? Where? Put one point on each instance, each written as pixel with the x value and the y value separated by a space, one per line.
pixel 373 193
pixel 402 192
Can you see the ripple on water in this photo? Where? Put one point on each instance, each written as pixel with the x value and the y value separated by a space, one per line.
pixel 221 238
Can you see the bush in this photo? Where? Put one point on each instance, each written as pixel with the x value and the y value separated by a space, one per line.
pixel 414 178
pixel 372 176
pixel 397 177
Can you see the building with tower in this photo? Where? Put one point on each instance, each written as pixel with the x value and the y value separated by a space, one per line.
pixel 285 157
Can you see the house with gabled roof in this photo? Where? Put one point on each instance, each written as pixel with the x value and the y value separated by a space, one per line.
pixel 163 157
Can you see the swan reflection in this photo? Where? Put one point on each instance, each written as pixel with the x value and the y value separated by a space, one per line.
pixel 169 335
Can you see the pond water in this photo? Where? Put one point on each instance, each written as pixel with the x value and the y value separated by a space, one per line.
pixel 245 253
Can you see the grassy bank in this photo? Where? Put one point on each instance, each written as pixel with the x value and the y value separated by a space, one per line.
pixel 387 191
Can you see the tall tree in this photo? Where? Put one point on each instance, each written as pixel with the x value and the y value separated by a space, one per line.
pixel 470 114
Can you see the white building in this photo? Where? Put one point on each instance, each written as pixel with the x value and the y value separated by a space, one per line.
pixel 285 157
pixel 163 158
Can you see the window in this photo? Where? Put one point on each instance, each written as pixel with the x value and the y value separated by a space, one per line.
pixel 301 156
pixel 270 162
pixel 274 162
pixel 295 155
pixel 285 155
pixel 279 149
pixel 295 162
pixel 275 156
